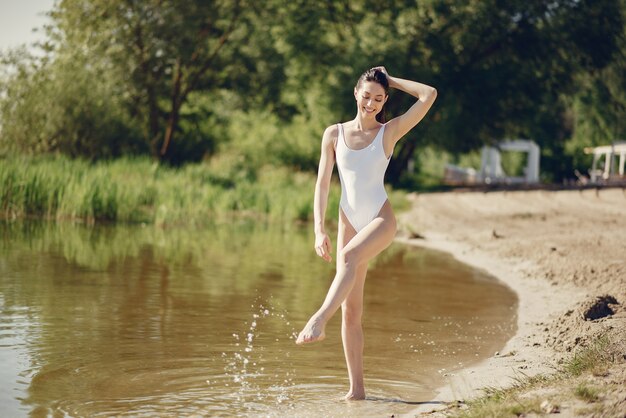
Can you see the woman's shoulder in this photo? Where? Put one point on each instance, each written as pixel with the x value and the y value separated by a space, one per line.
pixel 332 131
pixel 331 134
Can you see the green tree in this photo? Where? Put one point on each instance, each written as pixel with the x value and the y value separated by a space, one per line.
pixel 161 51
pixel 598 108
pixel 173 75
pixel 503 67
pixel 55 106
pixel 164 52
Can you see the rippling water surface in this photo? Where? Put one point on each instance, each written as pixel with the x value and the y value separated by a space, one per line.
pixel 143 321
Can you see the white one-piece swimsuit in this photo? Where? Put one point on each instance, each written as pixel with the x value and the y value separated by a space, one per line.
pixel 362 175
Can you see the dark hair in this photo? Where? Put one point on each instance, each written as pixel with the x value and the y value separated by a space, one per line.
pixel 377 76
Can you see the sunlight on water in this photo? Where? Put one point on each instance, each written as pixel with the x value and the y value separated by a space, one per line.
pixel 132 321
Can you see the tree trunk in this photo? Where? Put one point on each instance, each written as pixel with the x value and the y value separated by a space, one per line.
pixel 172 119
pixel 149 83
pixel 154 131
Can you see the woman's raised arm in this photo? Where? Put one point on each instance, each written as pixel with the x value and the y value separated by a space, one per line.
pixel 426 95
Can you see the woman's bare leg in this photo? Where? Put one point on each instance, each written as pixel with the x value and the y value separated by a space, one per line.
pixel 364 246
pixel 352 311
pixel 352 335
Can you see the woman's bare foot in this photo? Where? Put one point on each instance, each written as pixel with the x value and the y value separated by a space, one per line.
pixel 312 331
pixel 355 395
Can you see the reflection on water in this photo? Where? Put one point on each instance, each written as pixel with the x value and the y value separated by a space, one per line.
pixel 132 320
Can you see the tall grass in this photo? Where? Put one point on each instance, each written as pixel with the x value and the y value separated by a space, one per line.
pixel 139 190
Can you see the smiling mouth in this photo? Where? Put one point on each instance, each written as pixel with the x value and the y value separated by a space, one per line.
pixel 368 110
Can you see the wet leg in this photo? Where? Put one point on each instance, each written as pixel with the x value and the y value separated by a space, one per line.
pixel 365 245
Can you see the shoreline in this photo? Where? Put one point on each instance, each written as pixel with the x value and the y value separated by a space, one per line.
pixel 521 355
pixel 534 242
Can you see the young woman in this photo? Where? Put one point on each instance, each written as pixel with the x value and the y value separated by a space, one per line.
pixel 362 148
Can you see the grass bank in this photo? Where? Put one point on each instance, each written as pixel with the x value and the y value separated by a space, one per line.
pixel 141 191
pixel 590 383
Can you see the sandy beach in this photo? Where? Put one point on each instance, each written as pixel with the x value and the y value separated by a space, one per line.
pixel 563 252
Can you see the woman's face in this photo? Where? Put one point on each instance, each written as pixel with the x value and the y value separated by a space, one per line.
pixel 370 98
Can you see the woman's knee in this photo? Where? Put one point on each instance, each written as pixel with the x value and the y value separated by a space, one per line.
pixel 391 224
pixel 351 258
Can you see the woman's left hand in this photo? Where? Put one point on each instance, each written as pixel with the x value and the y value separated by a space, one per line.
pixel 382 69
pixel 390 79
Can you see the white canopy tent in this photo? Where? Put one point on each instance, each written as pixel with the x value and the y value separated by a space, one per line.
pixel 491 171
pixel 608 162
pixel 491 166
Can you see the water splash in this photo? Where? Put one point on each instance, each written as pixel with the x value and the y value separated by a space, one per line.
pixel 246 365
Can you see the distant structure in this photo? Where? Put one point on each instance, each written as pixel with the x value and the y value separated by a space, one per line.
pixel 491 171
pixel 608 164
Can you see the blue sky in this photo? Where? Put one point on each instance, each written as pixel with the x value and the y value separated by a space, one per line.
pixel 18 18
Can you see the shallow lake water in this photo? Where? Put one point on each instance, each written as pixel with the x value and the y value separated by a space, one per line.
pixel 145 321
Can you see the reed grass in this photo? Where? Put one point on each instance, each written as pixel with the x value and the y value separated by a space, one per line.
pixel 138 190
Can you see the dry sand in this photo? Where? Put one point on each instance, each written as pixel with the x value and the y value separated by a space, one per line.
pixel 563 252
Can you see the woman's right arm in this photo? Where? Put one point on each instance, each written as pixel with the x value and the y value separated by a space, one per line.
pixel 322 187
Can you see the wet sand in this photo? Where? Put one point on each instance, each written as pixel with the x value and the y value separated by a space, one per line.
pixel 559 250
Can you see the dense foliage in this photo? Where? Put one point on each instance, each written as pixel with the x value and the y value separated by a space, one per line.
pixel 255 83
